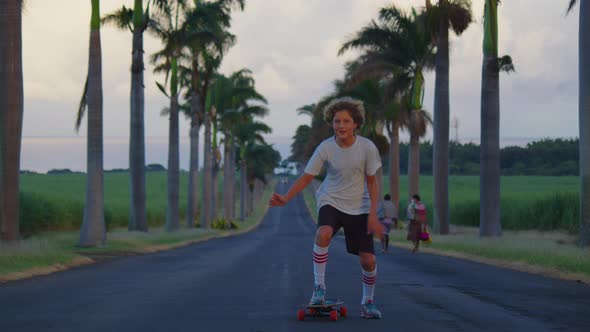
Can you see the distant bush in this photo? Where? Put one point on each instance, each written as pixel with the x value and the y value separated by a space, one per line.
pixel 62 171
pixel 155 168
pixel 221 223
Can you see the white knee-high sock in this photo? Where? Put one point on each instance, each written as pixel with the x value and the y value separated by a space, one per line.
pixel 320 258
pixel 369 279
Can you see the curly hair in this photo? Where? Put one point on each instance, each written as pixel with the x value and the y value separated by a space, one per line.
pixel 354 107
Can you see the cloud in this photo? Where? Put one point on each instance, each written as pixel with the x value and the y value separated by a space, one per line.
pixel 271 83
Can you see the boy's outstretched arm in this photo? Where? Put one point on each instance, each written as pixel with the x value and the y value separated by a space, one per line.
pixel 300 184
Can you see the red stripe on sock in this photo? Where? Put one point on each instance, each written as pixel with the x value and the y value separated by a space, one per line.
pixel 369 280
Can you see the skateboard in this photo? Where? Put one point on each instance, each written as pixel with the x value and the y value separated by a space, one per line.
pixel 331 308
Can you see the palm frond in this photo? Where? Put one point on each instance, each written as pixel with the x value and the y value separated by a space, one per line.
pixel 460 15
pixel 571 5
pixel 121 18
pixel 83 105
pixel 505 64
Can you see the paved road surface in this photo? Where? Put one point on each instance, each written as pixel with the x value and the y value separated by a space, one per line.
pixel 256 282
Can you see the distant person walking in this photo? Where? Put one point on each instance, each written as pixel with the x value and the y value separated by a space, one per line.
pixel 416 214
pixel 347 198
pixel 389 219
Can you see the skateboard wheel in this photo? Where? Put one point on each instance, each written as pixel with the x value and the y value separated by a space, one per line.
pixel 310 311
pixel 300 314
pixel 343 311
pixel 333 315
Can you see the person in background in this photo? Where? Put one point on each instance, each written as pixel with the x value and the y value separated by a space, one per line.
pixel 416 214
pixel 389 219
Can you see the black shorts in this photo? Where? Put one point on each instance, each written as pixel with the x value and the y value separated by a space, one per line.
pixel 355 228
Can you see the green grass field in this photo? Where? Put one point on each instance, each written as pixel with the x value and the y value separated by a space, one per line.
pixel 56 202
pixel 40 252
pixel 527 202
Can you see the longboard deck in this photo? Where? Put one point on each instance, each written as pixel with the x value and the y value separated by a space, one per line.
pixel 330 308
pixel 327 304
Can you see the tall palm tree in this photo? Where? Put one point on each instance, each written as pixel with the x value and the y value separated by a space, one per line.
pixel 11 116
pixel 456 15
pixel 166 26
pixel 397 48
pixel 489 178
pixel 208 38
pixel 232 97
pixel 93 231
pixel 584 118
pixel 416 121
pixel 135 20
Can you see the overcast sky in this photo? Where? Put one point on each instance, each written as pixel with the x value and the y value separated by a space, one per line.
pixel 291 47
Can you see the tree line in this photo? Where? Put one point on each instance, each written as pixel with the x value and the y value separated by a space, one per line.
pixel 546 157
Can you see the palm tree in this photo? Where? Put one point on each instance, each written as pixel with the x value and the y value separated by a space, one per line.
pixel 584 116
pixel 263 159
pixel 11 116
pixel 416 121
pixel 247 133
pixel 136 21
pixel 166 27
pixel 489 178
pixel 397 48
pixel 231 97
pixel 302 135
pixel 454 14
pixel 207 22
pixel 93 231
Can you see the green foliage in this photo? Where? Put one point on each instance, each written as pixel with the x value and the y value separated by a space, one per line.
pixel 56 202
pixel 221 223
pixel 547 157
pixel 527 202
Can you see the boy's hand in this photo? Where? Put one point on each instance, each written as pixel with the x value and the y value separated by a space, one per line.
pixel 277 200
pixel 373 226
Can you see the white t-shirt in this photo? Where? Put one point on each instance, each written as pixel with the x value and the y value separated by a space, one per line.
pixel 345 187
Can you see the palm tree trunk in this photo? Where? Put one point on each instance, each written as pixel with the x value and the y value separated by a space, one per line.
pixel 584 102
pixel 440 149
pixel 413 165
pixel 214 186
pixel 243 190
pixel 394 164
pixel 233 180
pixel 250 200
pixel 206 196
pixel 11 116
pixel 489 173
pixel 137 213
pixel 93 231
pixel 489 178
pixel 173 167
pixel 227 184
pixel 193 176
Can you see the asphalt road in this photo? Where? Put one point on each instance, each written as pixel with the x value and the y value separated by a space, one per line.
pixel 258 281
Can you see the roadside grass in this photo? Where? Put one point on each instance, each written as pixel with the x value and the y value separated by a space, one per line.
pixel 525 249
pixel 53 251
pixel 552 253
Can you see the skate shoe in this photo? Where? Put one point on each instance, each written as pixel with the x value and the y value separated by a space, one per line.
pixel 318 297
pixel 369 310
